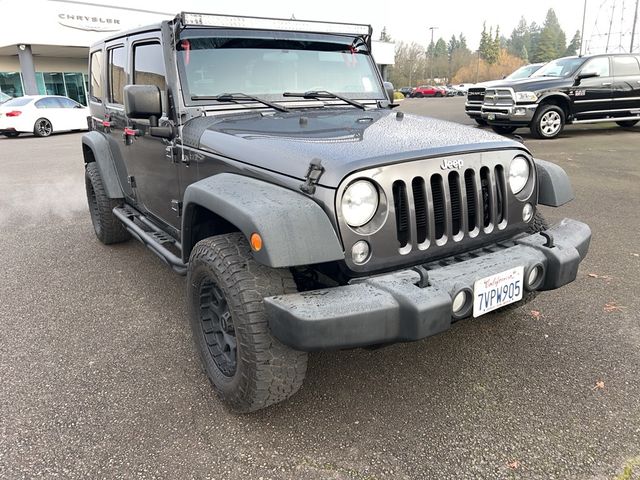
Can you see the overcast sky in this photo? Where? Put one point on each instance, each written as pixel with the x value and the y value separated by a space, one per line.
pixel 409 21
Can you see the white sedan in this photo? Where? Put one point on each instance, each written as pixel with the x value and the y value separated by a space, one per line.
pixel 41 115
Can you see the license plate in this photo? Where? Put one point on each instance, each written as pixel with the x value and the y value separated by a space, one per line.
pixel 491 116
pixel 491 293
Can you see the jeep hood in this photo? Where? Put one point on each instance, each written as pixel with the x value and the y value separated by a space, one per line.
pixel 345 140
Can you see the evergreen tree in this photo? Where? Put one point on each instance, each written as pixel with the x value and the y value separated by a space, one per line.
pixel 384 36
pixel 553 42
pixel 534 39
pixel 574 46
pixel 520 39
pixel 485 40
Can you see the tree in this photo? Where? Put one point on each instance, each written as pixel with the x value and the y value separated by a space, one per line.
pixel 574 46
pixel 489 45
pixel 520 40
pixel 384 36
pixel 553 42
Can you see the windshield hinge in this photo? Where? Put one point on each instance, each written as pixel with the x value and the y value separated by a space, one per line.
pixel 312 177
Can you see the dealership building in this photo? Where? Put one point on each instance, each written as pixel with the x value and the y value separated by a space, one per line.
pixel 45 47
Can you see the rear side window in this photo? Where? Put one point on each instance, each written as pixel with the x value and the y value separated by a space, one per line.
pixel 95 68
pixel 624 66
pixel 599 65
pixel 50 102
pixel 68 103
pixel 117 75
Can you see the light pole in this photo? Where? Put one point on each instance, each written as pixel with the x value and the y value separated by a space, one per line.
pixel 633 30
pixel 433 47
pixel 584 16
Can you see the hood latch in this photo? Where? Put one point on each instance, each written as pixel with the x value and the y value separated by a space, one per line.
pixel 312 177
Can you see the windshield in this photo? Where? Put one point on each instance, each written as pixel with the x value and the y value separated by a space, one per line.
pixel 562 67
pixel 523 72
pixel 268 67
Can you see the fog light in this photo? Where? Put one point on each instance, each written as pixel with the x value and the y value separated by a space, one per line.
pixel 535 275
pixel 459 302
pixel 527 212
pixel 520 111
pixel 360 252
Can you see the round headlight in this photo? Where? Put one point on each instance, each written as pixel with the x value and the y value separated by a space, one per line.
pixel 359 203
pixel 519 171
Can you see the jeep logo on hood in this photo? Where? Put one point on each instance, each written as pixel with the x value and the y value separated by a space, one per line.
pixel 448 164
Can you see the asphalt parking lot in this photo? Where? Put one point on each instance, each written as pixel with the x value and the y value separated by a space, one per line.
pixel 99 377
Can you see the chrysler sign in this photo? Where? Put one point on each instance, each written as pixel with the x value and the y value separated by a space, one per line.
pixel 89 22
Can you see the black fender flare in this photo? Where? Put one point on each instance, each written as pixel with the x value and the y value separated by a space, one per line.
pixel 554 186
pixel 551 95
pixel 102 155
pixel 295 230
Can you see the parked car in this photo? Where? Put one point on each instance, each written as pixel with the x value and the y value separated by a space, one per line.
pixel 306 212
pixel 41 115
pixel 406 91
pixel 427 91
pixel 4 97
pixel 570 90
pixel 475 94
pixel 448 91
pixel 462 88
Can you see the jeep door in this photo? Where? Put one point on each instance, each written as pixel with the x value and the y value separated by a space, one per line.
pixel 593 96
pixel 626 85
pixel 149 160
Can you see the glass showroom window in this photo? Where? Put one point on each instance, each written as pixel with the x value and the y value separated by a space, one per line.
pixel 11 84
pixel 66 84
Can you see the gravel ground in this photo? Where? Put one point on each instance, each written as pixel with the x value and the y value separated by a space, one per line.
pixel 99 377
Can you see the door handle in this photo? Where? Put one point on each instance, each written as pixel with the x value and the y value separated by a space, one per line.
pixel 606 84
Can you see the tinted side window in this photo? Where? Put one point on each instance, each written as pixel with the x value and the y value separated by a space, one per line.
pixel 623 66
pixel 95 68
pixel 599 65
pixel 49 102
pixel 117 75
pixel 67 103
pixel 148 65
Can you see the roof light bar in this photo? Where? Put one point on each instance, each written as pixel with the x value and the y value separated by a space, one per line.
pixel 211 20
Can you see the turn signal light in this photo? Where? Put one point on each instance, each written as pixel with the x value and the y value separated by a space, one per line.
pixel 256 242
pixel 13 113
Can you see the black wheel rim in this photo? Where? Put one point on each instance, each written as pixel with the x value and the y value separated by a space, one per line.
pixel 217 328
pixel 44 127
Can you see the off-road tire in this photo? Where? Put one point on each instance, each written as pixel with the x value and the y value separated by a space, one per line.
pixel 106 225
pixel 481 122
pixel 503 129
pixel 541 126
pixel 11 134
pixel 538 224
pixel 42 127
pixel 627 123
pixel 265 370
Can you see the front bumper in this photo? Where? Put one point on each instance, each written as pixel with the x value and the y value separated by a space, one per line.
pixel 392 308
pixel 520 115
pixel 473 109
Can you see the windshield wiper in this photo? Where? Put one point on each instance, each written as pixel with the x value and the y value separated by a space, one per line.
pixel 237 97
pixel 318 94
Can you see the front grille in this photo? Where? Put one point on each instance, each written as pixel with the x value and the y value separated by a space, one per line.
pixel 502 97
pixel 453 206
pixel 475 95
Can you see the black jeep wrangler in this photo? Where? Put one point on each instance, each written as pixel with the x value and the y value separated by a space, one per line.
pixel 570 90
pixel 263 159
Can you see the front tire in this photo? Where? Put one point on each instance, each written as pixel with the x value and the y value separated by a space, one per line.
pixel 42 128
pixel 548 121
pixel 418 95
pixel 106 225
pixel 248 367
pixel 627 123
pixel 503 129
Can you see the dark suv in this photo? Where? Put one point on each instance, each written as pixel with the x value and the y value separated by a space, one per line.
pixel 263 159
pixel 570 90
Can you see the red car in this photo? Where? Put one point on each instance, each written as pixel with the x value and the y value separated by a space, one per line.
pixel 428 91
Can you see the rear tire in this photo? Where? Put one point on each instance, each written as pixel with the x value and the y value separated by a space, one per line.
pixel 548 122
pixel 418 95
pixel 481 122
pixel 11 134
pixel 248 367
pixel 42 128
pixel 106 225
pixel 627 123
pixel 503 129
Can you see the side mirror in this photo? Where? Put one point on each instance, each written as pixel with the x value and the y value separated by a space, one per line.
pixel 583 75
pixel 143 102
pixel 388 86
